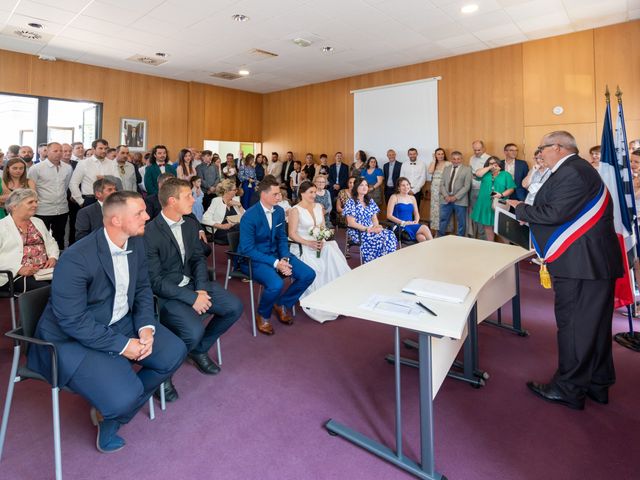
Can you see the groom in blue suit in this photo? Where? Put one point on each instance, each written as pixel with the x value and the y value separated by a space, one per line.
pixel 100 319
pixel 264 239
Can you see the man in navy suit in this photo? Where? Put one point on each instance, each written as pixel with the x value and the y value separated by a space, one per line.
pixel 100 318
pixel 338 176
pixel 263 238
pixel 391 171
pixel 179 277
pixel 517 168
pixel 89 218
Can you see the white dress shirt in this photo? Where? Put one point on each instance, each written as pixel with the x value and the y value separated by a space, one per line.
pixel 510 167
pixel 176 230
pixel 477 163
pixel 416 173
pixel 87 172
pixel 51 186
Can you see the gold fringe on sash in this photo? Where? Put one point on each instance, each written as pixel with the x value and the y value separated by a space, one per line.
pixel 545 278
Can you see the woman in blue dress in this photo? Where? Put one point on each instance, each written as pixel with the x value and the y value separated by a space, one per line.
pixel 402 209
pixel 198 195
pixel 247 177
pixel 360 211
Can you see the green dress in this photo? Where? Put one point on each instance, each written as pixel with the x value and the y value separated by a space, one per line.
pixel 3 213
pixel 483 211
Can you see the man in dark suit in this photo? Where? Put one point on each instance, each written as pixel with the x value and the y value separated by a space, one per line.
pixel 89 218
pixel 287 169
pixel 584 265
pixel 264 239
pixel 179 277
pixel 391 171
pixel 338 176
pixel 100 318
pixel 517 168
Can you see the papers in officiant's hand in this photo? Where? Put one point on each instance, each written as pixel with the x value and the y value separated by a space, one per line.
pixel 43 274
pixel 396 306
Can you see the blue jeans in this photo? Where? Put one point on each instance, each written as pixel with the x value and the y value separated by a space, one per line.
pixel 446 210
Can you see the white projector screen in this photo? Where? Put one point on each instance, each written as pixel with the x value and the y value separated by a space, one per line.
pixel 399 117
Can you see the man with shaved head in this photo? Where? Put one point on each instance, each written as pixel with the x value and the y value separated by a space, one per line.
pixel 100 318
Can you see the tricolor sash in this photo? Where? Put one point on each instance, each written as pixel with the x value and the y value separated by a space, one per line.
pixel 569 232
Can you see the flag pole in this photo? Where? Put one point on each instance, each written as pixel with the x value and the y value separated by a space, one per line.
pixel 630 339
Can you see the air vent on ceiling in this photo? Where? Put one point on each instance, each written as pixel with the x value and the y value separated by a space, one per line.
pixel 147 60
pixel 225 75
pixel 261 54
pixel 28 34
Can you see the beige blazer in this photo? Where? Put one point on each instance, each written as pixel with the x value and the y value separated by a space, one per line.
pixel 11 247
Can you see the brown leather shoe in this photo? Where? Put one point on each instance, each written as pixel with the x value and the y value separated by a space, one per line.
pixel 283 315
pixel 264 326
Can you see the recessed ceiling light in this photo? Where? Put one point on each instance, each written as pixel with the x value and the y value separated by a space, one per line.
pixel 238 17
pixel 162 54
pixel 472 7
pixel 244 73
pixel 35 25
pixel 327 49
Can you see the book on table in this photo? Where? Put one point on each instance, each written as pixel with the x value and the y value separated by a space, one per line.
pixel 435 290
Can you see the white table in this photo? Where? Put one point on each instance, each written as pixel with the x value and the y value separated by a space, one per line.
pixel 488 269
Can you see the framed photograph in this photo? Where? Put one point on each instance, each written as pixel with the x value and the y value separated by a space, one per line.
pixel 133 134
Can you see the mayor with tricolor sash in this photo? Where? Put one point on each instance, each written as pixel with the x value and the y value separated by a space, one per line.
pixel 573 232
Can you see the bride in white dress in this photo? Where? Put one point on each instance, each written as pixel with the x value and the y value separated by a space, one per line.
pixel 331 264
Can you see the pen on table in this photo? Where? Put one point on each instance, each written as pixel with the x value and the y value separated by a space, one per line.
pixel 427 309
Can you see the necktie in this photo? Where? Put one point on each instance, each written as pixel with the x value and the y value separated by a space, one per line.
pixel 121 253
pixel 121 169
pixel 453 174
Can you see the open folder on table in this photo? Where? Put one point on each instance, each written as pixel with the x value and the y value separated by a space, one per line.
pixel 446 292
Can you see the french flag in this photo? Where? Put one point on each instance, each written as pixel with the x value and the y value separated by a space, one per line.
pixel 612 174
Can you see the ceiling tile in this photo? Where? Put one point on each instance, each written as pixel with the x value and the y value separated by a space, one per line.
pixel 508 30
pixel 458 41
pixel 60 13
pixel 110 13
pixel 587 9
pixel 558 19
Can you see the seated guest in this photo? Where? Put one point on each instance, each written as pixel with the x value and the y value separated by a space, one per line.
pixel 594 157
pixel 361 212
pixel 152 202
pixel 535 178
pixel 402 209
pixel 343 196
pixel 324 257
pixel 26 245
pixel 89 218
pixel 180 279
pixel 225 205
pixel 263 238
pixel 454 194
pixel 323 197
pixel 100 318
pixel 495 183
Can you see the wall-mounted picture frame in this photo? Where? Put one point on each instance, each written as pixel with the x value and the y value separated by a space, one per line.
pixel 133 134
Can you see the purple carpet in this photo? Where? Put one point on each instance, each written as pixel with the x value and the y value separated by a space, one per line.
pixel 263 416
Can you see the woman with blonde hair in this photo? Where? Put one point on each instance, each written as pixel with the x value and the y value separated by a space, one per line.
pixel 225 211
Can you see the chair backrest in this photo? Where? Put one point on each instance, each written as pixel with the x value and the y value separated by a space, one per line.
pixel 31 304
pixel 234 240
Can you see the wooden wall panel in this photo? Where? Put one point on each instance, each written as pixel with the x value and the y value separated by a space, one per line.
pixel 617 62
pixel 585 134
pixel 178 113
pixel 559 71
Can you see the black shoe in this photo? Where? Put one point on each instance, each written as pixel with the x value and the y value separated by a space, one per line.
pixel 204 363
pixel 170 392
pixel 599 396
pixel 551 393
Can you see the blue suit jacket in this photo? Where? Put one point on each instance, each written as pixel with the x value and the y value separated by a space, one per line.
pixel 257 241
pixel 520 171
pixel 81 305
pixel 89 220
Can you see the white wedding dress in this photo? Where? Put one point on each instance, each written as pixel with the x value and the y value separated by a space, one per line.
pixel 328 267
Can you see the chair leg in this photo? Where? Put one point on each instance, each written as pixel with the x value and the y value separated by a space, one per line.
pixel 226 278
pixel 219 352
pixel 253 309
pixel 57 453
pixel 163 403
pixel 9 398
pixel 12 303
pixel 213 257
pixel 152 409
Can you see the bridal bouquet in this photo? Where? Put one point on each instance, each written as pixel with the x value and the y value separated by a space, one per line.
pixel 319 234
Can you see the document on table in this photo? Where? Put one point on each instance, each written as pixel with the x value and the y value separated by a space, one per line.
pixel 442 291
pixel 396 306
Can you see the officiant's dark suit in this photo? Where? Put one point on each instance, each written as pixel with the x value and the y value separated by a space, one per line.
pixel 167 271
pixel 583 278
